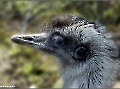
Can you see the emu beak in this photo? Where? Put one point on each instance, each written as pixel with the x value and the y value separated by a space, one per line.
pixel 35 39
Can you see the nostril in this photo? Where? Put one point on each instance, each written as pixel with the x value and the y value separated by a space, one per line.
pixel 28 38
pixel 39 39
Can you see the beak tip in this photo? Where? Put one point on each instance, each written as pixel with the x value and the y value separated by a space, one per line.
pixel 14 37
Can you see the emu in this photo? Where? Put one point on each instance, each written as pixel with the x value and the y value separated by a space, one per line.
pixel 85 51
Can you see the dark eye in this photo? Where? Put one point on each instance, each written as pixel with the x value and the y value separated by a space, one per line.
pixel 81 53
pixel 57 39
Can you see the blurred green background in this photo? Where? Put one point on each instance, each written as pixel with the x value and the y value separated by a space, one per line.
pixel 25 67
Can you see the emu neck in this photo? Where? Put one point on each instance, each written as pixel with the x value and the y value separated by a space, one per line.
pixel 89 76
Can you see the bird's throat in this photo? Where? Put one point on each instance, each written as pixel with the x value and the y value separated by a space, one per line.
pixel 88 76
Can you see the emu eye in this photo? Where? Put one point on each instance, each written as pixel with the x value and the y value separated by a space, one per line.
pixel 57 39
pixel 81 53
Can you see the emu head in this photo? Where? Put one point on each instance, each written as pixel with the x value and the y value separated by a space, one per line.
pixel 87 55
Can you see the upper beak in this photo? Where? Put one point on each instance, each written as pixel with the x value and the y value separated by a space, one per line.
pixel 35 39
